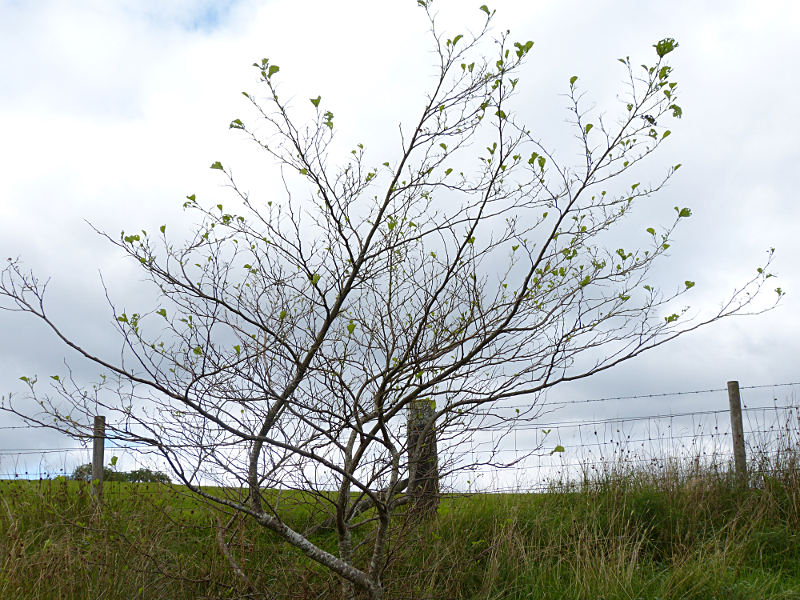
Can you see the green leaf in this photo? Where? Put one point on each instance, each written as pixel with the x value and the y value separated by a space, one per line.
pixel 123 318
pixel 573 79
pixel 198 351
pixel 217 165
pixel 448 171
pixel 282 316
pixel 163 228
pixel 315 278
pixel 272 70
pixel 522 49
pixel 689 284
pixel 671 319
pixel 651 231
pixel 677 111
pixel 162 312
pixel 25 379
pixel 443 146
pixel 588 128
pixel 237 349
pixel 113 461
pixel 303 171
pixel 500 114
pixel 351 327
pixel 585 281
pixel 471 240
pixel 191 198
pixel 236 124
pixel 558 448
pixel 683 212
pixel 455 39
pixel 131 238
pixel 315 101
pixel 485 9
pixel 665 46
pixel 55 377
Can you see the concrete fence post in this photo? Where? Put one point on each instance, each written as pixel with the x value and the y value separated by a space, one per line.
pixel 423 459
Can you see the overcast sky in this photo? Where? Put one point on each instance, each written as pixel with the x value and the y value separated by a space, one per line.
pixel 112 112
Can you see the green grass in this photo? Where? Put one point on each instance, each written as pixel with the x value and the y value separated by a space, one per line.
pixel 638 536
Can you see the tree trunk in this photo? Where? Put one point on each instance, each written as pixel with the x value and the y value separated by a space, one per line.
pixel 423 460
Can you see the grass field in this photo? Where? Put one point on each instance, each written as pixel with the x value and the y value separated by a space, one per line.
pixel 636 536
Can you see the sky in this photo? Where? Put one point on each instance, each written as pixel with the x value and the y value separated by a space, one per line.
pixel 112 112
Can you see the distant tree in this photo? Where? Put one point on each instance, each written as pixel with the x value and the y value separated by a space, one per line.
pixel 84 473
pixel 144 475
pixel 348 341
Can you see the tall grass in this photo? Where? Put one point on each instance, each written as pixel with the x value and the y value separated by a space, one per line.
pixel 622 534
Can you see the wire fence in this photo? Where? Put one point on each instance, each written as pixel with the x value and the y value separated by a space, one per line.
pixel 565 447
pixel 564 452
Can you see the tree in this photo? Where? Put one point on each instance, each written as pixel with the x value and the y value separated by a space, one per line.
pixel 143 475
pixel 333 343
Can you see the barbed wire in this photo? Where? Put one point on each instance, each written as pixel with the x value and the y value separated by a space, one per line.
pixel 659 395
pixel 625 440
pixel 656 417
pixel 580 401
pixel 574 422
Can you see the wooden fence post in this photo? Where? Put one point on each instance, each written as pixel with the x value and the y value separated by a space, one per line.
pixel 737 431
pixel 98 445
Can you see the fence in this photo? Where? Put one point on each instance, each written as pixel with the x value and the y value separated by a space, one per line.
pixel 537 455
pixel 758 433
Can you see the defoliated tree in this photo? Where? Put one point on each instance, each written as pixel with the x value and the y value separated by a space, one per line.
pixel 315 343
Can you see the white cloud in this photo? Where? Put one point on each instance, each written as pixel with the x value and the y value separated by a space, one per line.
pixel 113 112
